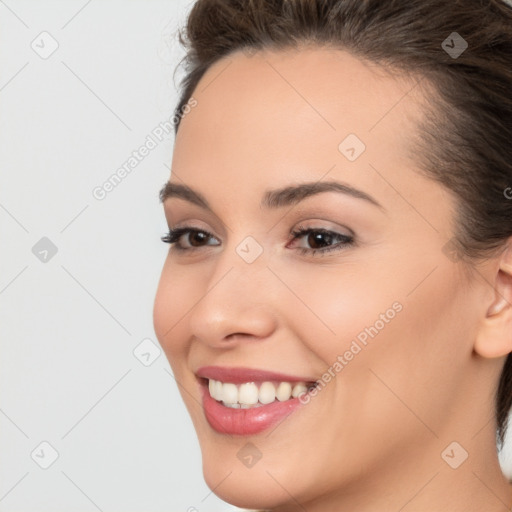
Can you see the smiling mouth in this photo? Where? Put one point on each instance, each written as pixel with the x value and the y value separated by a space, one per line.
pixel 255 394
pixel 247 401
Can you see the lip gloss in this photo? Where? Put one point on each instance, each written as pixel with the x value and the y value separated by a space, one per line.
pixel 253 420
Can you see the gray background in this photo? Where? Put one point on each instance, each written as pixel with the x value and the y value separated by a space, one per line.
pixel 69 325
pixel 71 320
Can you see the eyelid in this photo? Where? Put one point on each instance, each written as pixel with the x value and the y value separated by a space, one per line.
pixel 195 218
pixel 317 224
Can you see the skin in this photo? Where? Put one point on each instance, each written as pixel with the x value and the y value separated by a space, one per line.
pixel 373 437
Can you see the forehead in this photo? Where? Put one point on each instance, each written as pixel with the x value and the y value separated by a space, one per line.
pixel 311 93
pixel 281 116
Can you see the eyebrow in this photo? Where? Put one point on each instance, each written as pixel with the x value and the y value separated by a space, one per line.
pixel 277 198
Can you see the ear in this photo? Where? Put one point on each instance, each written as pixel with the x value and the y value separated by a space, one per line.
pixel 494 338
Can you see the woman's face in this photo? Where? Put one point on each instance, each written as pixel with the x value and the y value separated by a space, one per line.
pixel 384 321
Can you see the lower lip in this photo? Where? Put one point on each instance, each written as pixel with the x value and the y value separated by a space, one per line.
pixel 245 422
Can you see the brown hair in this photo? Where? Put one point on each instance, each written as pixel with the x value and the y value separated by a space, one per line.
pixel 469 152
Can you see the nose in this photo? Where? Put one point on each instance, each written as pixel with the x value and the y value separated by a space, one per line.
pixel 235 305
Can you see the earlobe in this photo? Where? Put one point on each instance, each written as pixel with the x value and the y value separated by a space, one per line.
pixel 494 338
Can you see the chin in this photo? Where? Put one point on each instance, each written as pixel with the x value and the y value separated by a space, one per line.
pixel 244 488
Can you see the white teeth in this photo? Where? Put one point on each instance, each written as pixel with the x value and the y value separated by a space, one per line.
pixel 229 393
pixel 247 395
pixel 217 390
pixel 298 389
pixel 284 391
pixel 267 393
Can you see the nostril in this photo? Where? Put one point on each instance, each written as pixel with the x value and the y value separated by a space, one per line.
pixel 232 337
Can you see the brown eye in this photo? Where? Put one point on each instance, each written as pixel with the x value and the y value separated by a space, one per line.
pixel 321 240
pixel 196 238
pixel 317 239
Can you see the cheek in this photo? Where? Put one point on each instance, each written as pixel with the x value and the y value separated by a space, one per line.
pixel 408 327
pixel 333 305
pixel 418 361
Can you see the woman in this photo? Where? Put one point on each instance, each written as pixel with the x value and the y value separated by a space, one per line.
pixel 336 304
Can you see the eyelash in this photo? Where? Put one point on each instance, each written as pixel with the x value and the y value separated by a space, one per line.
pixel 174 235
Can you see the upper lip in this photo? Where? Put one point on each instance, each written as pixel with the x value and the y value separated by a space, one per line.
pixel 239 375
